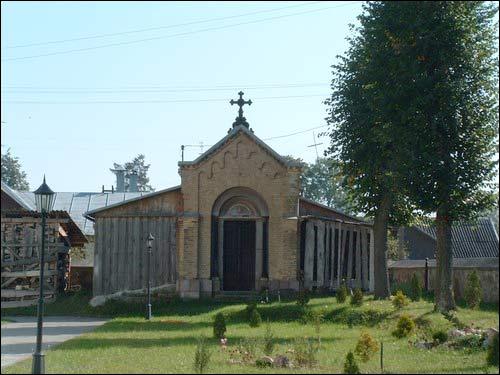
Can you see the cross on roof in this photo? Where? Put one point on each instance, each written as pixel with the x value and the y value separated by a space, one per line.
pixel 240 120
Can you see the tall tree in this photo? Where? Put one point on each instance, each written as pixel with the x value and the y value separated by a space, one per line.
pixel 368 118
pixel 138 164
pixel 455 65
pixel 12 174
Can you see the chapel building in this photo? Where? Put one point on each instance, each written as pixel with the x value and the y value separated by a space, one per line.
pixel 236 223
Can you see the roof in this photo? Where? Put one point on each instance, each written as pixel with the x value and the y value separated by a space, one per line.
pixel 89 214
pixel 490 263
pixel 16 197
pixel 477 239
pixel 230 135
pixel 322 211
pixel 77 203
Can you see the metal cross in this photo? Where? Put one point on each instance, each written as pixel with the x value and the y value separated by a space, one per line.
pixel 240 120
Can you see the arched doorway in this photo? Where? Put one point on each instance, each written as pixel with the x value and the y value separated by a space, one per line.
pixel 239 240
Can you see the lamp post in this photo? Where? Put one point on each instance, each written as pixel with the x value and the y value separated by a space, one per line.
pixel 44 198
pixel 150 246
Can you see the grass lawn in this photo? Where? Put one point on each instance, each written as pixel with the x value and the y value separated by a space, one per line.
pixel 129 344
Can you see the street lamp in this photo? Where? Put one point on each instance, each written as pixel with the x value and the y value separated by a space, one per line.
pixel 44 199
pixel 150 246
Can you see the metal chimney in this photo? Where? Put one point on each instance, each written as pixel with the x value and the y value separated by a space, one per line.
pixel 133 185
pixel 119 171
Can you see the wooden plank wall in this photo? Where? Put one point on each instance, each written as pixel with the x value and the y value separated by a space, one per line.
pixel 120 258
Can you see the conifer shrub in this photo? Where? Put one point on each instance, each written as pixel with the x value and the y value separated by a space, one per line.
pixel 303 297
pixel 268 340
pixel 219 326
pixel 350 365
pixel 404 327
pixel 492 356
pixel 400 300
pixel 366 347
pixel 202 356
pixel 357 297
pixel 415 288
pixel 473 292
pixel 440 336
pixel 341 293
pixel 305 351
pixel 255 318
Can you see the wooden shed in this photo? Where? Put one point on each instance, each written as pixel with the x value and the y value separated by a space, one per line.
pixel 121 231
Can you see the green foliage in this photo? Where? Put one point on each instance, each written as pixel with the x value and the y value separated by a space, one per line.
pixel 303 297
pixel 404 327
pixel 353 318
pixel 357 297
pixel 305 351
pixel 366 347
pixel 350 365
pixel 138 164
pixel 471 342
pixel 492 356
pixel 268 340
pixel 440 336
pixel 202 356
pixel 400 300
pixel 473 291
pixel 394 249
pixel 246 350
pixel 251 306
pixel 12 175
pixel 342 293
pixel 453 319
pixel 219 326
pixel 415 288
pixel 255 318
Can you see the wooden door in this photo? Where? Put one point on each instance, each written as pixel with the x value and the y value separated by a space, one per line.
pixel 239 255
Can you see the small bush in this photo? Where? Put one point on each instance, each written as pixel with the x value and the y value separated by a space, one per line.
pixel 405 326
pixel 255 318
pixel 303 297
pixel 317 319
pixel 415 288
pixel 399 300
pixel 473 291
pixel 305 351
pixel 353 318
pixel 492 356
pixel 440 336
pixel 341 293
pixel 268 340
pixel 452 318
pixel 219 326
pixel 350 365
pixel 251 306
pixel 201 356
pixel 357 297
pixel 366 347
pixel 468 342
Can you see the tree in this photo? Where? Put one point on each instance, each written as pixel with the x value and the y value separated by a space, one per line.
pixel 138 165
pixel 12 174
pixel 368 118
pixel 455 66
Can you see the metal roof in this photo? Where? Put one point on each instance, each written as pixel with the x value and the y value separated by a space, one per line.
pixel 483 263
pixel 477 239
pixel 17 198
pixel 76 204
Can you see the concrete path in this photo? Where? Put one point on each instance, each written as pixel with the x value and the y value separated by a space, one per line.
pixel 19 337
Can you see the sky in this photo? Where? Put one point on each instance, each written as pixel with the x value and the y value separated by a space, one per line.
pixel 88 84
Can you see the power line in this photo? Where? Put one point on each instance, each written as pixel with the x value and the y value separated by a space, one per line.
pixel 169 36
pixel 158 27
pixel 155 101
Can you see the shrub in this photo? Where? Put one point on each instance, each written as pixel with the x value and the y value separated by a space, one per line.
pixel 350 365
pixel 452 318
pixel 303 297
pixel 405 326
pixel 317 319
pixel 247 349
pixel 415 288
pixel 352 318
pixel 440 336
pixel 268 340
pixel 305 351
pixel 201 356
pixel 249 309
pixel 473 291
pixel 219 326
pixel 366 347
pixel 473 341
pixel 357 297
pixel 341 294
pixel 399 300
pixel 492 356
pixel 255 318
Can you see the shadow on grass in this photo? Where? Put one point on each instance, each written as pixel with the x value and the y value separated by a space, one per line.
pixel 157 325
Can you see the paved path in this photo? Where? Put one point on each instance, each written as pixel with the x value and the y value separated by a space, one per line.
pixel 19 337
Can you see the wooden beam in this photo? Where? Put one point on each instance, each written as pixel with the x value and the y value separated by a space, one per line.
pixel 364 259
pixel 358 258
pixel 350 256
pixel 28 274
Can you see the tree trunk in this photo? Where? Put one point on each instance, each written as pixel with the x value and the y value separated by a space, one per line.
pixel 443 289
pixel 381 274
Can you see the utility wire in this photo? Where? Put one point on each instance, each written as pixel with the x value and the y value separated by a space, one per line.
pixel 171 35
pixel 158 27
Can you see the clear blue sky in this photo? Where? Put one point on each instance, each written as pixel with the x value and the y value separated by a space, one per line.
pixel 64 114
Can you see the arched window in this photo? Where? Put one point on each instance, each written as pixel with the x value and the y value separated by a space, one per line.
pixel 238 209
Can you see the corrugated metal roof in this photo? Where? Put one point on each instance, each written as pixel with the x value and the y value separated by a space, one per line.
pixel 477 239
pixel 484 263
pixel 76 204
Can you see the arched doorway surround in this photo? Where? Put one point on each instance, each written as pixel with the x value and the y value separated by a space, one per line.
pixel 239 248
